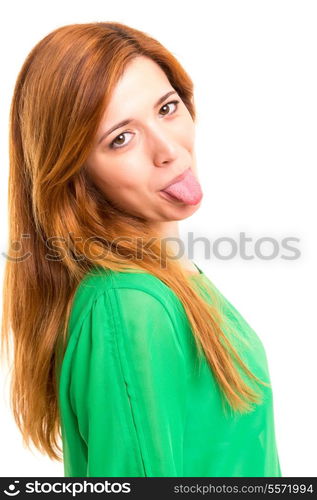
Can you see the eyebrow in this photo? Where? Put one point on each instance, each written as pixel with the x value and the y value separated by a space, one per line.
pixel 129 120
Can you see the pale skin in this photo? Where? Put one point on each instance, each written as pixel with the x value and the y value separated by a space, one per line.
pixel 147 153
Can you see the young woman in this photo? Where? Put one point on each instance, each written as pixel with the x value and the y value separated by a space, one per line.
pixel 123 349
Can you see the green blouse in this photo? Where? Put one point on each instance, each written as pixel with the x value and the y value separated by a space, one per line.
pixel 137 400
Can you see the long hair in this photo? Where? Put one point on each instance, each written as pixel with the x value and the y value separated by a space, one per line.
pixel 59 99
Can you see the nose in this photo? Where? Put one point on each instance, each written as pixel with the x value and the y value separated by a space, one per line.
pixel 164 147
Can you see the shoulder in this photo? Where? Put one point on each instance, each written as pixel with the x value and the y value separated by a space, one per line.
pixel 122 295
pixel 134 314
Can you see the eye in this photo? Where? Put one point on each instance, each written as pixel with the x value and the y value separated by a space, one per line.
pixel 171 102
pixel 114 144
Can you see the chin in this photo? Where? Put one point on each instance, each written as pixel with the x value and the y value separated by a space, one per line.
pixel 183 211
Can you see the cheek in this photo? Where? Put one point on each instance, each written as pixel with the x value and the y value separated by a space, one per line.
pixel 186 133
pixel 191 132
pixel 116 174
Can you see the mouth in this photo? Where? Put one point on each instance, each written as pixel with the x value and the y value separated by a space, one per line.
pixel 176 179
pixel 185 190
pixel 171 198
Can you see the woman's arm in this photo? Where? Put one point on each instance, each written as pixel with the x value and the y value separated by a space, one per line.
pixel 128 387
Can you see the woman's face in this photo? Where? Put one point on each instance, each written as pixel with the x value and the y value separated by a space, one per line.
pixel 135 161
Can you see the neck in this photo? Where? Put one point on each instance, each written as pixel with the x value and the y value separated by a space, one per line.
pixel 170 229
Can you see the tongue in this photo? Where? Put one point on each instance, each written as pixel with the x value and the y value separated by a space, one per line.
pixel 187 190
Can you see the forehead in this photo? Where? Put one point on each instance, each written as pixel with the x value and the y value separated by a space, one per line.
pixel 142 82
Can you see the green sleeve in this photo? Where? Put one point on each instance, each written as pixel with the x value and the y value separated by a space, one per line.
pixel 128 387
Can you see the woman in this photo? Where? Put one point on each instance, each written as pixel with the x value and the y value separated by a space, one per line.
pixel 123 349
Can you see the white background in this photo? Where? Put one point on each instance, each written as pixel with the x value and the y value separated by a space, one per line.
pixel 253 64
